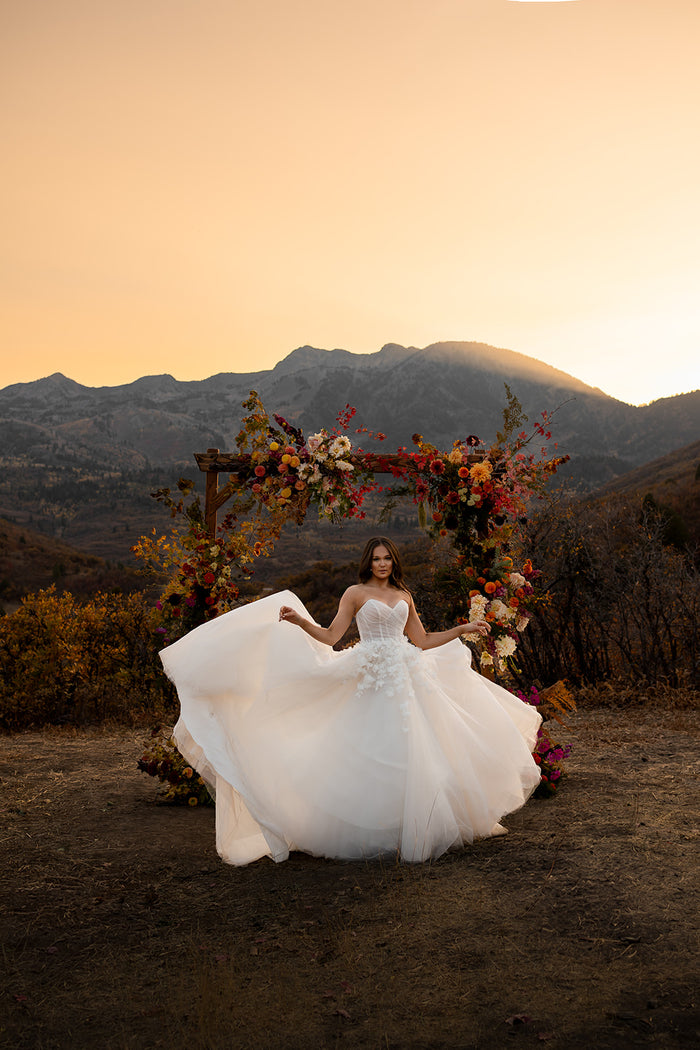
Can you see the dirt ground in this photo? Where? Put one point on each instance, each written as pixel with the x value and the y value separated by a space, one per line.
pixel 579 929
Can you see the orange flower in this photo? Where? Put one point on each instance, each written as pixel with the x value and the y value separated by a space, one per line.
pixel 480 472
pixel 463 472
pixel 490 587
pixel 514 603
pixel 481 581
pixel 472 593
pixel 260 471
pixel 437 516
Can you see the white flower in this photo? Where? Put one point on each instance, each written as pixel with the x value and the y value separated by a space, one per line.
pixel 500 610
pixel 505 646
pixel 477 607
pixel 313 442
pixel 516 580
pixel 521 623
pixel 340 446
pixel 215 549
pixel 342 464
pixel 486 660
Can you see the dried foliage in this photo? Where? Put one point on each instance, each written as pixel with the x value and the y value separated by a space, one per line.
pixel 622 603
pixel 66 662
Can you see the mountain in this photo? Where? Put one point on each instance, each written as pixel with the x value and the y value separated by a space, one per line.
pixel 672 481
pixel 79 462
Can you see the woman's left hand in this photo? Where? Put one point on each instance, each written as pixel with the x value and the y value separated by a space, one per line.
pixel 481 627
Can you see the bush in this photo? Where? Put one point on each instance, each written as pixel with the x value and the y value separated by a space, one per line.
pixel 622 603
pixel 66 662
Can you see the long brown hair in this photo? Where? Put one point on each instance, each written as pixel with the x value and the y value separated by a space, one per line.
pixel 365 570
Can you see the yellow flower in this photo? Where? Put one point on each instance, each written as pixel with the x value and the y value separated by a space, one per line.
pixel 274 446
pixel 480 472
pixel 286 493
pixel 286 458
pixel 455 456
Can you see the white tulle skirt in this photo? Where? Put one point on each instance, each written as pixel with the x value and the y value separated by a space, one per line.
pixel 311 749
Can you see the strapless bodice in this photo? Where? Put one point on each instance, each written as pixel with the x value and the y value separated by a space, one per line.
pixel 378 622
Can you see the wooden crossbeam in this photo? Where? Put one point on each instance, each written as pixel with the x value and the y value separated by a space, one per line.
pixel 213 462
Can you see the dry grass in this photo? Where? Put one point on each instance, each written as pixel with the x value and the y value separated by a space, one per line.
pixel 121 927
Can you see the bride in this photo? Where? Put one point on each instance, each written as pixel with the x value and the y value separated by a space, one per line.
pixel 392 747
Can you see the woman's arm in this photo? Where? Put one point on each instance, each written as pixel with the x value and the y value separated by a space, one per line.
pixel 327 635
pixel 431 639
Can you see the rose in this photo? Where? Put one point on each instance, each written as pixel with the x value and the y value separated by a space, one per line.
pixel 260 471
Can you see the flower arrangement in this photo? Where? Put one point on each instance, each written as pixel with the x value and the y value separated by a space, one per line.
pixel 287 472
pixel 476 497
pixel 202 573
pixel 547 754
pixel 182 785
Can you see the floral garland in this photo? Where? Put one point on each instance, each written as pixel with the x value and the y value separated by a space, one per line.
pixel 547 754
pixel 287 472
pixel 182 785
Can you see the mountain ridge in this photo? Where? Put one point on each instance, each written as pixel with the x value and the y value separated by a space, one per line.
pixel 77 458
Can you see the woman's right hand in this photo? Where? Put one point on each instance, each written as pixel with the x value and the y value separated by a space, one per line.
pixel 290 615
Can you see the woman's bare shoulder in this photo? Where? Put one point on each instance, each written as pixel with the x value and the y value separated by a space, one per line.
pixel 353 593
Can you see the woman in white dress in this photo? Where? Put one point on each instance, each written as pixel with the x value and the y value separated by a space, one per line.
pixel 395 746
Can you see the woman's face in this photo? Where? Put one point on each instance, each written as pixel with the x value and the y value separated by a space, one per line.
pixel 382 563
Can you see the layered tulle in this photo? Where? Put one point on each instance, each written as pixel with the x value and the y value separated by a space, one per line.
pixel 378 749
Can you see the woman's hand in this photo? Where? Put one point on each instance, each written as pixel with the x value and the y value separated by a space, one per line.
pixel 290 615
pixel 481 627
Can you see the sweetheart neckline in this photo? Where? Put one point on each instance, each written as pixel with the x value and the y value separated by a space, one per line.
pixel 380 602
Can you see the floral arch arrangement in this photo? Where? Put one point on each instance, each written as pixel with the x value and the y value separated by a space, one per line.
pixel 472 495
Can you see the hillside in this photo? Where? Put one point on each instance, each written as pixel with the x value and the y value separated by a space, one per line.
pixel 30 561
pixel 672 480
pixel 78 463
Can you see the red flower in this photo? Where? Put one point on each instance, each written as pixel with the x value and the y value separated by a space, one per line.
pixel 453 497
pixel 260 471
pixel 437 516
pixel 209 577
pixel 437 466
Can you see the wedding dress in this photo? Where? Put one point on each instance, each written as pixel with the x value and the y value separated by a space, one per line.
pixel 380 749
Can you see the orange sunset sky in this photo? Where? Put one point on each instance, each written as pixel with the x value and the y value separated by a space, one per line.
pixel 197 186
